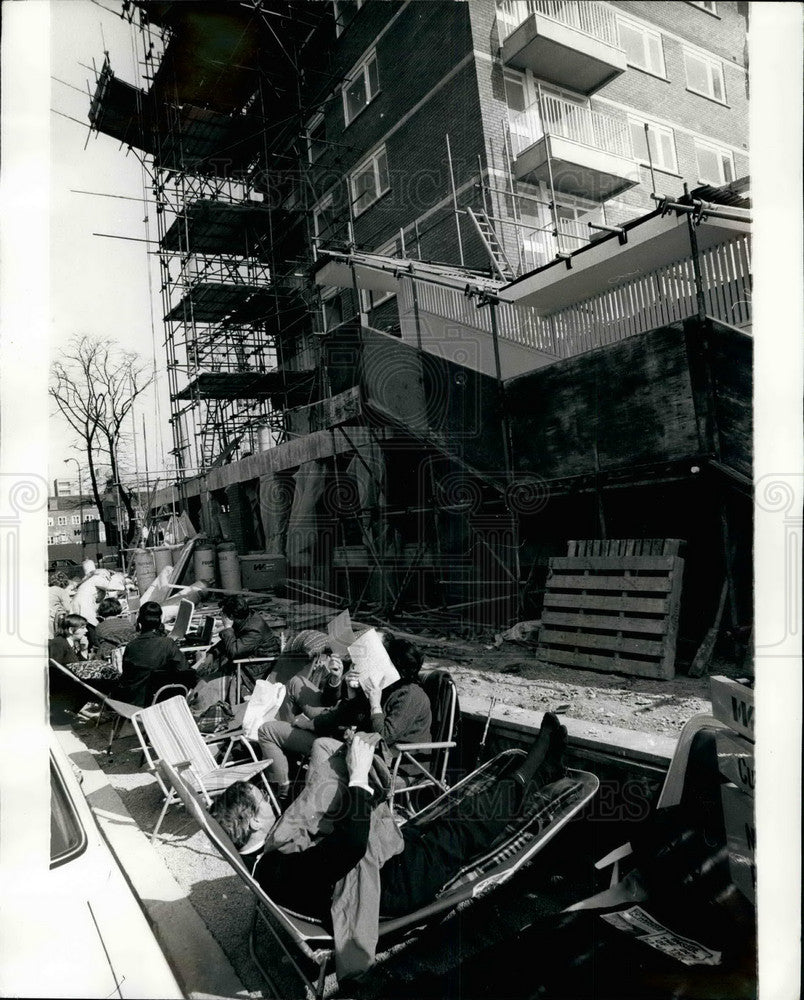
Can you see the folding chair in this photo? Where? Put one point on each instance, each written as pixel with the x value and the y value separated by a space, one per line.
pixel 302 938
pixel 629 889
pixel 183 620
pixel 442 691
pixel 124 711
pixel 245 675
pixel 167 731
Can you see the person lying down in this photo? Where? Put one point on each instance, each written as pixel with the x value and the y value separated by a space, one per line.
pixel 332 875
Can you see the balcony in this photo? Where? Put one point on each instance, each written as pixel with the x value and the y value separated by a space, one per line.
pixel 573 45
pixel 589 152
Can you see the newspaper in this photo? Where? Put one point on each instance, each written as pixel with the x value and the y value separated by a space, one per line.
pixel 370 659
pixel 638 923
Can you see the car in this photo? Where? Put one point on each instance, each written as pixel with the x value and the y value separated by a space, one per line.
pixel 90 936
pixel 61 564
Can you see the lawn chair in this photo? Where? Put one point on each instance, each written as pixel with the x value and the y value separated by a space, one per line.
pixel 442 691
pixel 247 675
pixel 183 619
pixel 629 889
pixel 167 731
pixel 301 938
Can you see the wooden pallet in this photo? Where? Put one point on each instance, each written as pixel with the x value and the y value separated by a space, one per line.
pixel 615 610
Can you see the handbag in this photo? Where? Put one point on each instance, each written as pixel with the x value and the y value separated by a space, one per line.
pixel 264 703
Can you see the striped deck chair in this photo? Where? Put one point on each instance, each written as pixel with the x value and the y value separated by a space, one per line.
pixel 167 732
pixel 308 944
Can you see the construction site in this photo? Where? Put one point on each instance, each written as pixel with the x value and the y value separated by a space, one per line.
pixel 424 335
pixel 457 328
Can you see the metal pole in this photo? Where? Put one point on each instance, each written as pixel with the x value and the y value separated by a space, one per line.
pixel 650 159
pixel 454 200
pixel 696 263
pixel 549 163
pixel 416 310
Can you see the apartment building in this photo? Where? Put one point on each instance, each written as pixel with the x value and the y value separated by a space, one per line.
pixel 386 228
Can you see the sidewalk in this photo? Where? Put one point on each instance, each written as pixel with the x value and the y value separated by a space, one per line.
pixel 199 962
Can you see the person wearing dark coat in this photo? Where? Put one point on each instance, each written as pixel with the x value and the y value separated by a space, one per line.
pixel 151 660
pixel 245 634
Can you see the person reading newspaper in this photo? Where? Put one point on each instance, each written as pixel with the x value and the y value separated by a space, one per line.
pixel 382 695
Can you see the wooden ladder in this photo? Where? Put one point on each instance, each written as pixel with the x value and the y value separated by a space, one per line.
pixel 494 248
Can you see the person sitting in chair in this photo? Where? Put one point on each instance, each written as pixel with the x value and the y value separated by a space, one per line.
pixel 416 862
pixel 151 660
pixel 399 714
pixel 114 629
pixel 245 634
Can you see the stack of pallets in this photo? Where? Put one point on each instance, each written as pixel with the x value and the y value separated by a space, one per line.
pixel 613 605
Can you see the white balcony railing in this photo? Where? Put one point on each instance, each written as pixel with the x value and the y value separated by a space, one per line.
pixel 570 121
pixel 666 295
pixel 591 18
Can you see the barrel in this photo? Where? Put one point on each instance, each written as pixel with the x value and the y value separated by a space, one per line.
pixel 144 569
pixel 163 556
pixel 204 562
pixel 229 566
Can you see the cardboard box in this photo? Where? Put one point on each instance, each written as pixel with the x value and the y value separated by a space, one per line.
pixel 741 835
pixel 735 758
pixel 262 571
pixel 733 703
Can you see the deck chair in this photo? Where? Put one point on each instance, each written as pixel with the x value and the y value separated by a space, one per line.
pixel 183 620
pixel 247 674
pixel 629 889
pixel 307 942
pixel 442 691
pixel 167 731
pixel 123 710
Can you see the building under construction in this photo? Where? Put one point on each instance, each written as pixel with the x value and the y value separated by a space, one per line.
pixel 448 287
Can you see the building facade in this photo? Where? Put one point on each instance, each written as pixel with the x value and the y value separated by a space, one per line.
pixel 376 219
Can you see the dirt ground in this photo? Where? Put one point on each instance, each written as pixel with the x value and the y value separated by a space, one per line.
pixel 517 678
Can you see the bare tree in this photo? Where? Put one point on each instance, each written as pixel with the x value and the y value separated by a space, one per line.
pixel 94 384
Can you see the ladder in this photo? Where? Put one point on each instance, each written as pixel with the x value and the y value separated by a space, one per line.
pixel 494 248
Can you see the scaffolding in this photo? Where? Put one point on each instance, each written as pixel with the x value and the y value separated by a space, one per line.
pixel 229 151
pixel 201 121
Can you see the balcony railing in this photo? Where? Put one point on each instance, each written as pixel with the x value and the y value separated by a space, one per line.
pixel 570 121
pixel 593 19
pixel 666 295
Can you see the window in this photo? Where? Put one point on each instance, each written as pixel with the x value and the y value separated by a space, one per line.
pixel 50 522
pixel 316 138
pixel 515 91
pixel 369 181
pixel 643 47
pixel 61 521
pixel 710 8
pixel 345 10
pixel 361 87
pixel 715 164
pixel 75 519
pixel 662 145
pixel 327 222
pixel 704 76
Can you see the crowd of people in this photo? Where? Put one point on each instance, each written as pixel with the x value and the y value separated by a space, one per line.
pixel 337 718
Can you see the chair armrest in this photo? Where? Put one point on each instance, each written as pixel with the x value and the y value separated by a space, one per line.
pixel 623 851
pixel 408 747
pixel 255 659
pixel 194 649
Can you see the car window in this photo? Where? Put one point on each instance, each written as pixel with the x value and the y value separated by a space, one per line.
pixel 67 837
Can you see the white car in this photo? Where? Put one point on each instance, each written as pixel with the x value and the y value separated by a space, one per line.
pixel 92 937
